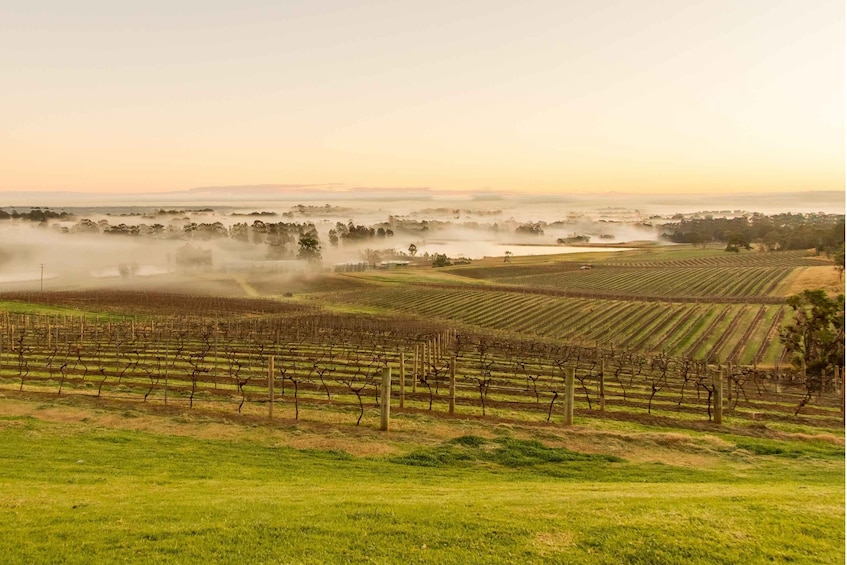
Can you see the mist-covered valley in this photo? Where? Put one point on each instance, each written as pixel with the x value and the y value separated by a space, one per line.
pixel 172 246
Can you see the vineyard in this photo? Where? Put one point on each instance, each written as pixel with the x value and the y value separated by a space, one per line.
pixel 672 273
pixel 334 364
pixel 500 349
pixel 739 333
pixel 665 281
pixel 700 304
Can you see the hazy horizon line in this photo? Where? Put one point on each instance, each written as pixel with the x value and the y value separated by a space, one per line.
pixel 284 189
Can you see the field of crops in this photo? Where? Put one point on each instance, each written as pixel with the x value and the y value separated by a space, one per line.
pixel 336 363
pixel 670 273
pixel 740 333
pixel 665 281
pixel 686 256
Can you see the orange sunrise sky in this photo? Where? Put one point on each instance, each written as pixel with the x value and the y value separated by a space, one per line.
pixel 639 96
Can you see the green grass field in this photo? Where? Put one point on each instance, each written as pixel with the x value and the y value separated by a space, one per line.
pixel 97 483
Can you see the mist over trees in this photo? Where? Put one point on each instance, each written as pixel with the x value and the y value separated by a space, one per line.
pixel 150 237
pixel 34 215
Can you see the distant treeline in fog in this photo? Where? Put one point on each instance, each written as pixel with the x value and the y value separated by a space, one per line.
pixel 822 232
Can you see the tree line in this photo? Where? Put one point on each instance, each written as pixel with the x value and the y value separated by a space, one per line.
pixel 822 232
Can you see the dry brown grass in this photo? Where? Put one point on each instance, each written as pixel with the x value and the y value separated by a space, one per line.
pixel 825 277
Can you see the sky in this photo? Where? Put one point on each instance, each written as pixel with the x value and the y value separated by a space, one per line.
pixel 563 96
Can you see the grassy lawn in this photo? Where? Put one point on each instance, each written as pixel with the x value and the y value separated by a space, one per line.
pixel 87 483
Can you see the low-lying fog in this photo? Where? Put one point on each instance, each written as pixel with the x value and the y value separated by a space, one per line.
pixel 74 255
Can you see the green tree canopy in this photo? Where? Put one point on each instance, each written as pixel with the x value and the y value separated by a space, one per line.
pixel 816 335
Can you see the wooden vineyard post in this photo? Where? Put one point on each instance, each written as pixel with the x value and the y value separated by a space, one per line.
pixel 719 398
pixel 728 383
pixel 215 363
pixel 385 400
pixel 569 378
pixel 271 387
pixel 602 385
pixel 166 371
pixel 402 379
pixel 415 369
pixel 452 384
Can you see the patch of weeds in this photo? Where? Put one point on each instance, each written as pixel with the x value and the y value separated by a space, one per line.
pixel 759 449
pixel 782 449
pixel 523 453
pixel 468 441
pixel 505 452
pixel 443 456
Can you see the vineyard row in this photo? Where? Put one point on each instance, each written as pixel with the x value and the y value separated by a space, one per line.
pixel 227 363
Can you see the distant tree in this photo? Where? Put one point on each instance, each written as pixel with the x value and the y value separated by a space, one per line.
pixel 536 228
pixel 771 240
pixel 240 232
pixel 121 229
pixel 310 248
pixel 441 260
pixel 85 226
pixel 259 231
pixel 278 240
pixel 574 239
pixel 735 241
pixel 192 257
pixel 507 257
pixel 207 231
pixel 413 249
pixel 372 256
pixel 695 239
pixel 837 257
